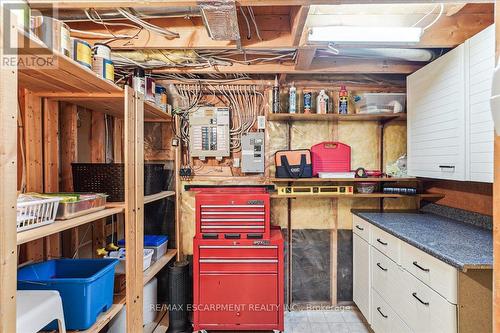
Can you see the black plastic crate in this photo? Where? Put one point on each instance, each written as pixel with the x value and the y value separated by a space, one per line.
pixel 109 178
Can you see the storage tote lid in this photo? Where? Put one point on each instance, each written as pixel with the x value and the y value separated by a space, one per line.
pixel 149 240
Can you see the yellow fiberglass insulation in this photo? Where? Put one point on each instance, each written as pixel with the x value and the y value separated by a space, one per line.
pixel 169 57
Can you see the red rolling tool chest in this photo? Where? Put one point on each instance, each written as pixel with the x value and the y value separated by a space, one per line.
pixel 239 284
pixel 238 259
pixel 232 213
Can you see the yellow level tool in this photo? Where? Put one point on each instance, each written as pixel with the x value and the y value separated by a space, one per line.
pixel 315 190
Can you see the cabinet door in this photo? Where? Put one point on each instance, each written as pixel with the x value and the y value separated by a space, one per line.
pixel 436 118
pixel 480 51
pixel 361 275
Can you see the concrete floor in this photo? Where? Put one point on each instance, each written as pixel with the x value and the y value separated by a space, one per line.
pixel 340 321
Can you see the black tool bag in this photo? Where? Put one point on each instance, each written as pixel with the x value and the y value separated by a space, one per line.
pixel 293 163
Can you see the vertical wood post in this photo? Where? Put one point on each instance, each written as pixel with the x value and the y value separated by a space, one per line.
pixel 8 189
pixel 496 204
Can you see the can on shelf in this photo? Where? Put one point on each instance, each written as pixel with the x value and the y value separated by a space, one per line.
pixel 82 52
pixel 307 101
pixel 104 68
pixel 161 97
pixel 53 33
pixel 102 50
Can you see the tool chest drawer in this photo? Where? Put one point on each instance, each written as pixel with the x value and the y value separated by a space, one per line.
pixel 225 300
pixel 238 251
pixel 239 265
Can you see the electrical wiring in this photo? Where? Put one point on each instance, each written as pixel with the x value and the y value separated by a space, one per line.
pixel 436 19
pixel 149 26
pixel 252 17
pixel 249 32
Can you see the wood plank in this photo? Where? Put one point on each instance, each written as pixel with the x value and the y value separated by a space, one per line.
pixel 305 57
pixel 8 189
pixel 158 265
pixel 428 196
pixel 134 223
pixel 60 225
pixel 159 325
pixel 341 180
pixel 298 16
pixel 178 193
pixel 335 117
pixel 475 301
pixel 32 122
pixel 51 166
pixel 147 198
pixel 319 67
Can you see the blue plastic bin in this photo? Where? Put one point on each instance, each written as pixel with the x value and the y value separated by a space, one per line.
pixel 85 285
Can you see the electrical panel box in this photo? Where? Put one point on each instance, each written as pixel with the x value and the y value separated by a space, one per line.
pixel 252 152
pixel 209 132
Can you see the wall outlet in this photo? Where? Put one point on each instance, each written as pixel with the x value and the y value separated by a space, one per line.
pixel 236 162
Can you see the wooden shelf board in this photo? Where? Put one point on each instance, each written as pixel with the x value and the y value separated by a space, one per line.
pixel 335 117
pixel 105 318
pixel 159 325
pixel 158 265
pixel 147 199
pixel 153 112
pixel 363 195
pixel 61 225
pixel 341 180
pixel 64 75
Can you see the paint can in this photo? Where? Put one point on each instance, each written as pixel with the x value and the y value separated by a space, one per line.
pixel 53 33
pixel 138 80
pixel 102 50
pixel 104 68
pixel 161 97
pixel 82 52
pixel 150 89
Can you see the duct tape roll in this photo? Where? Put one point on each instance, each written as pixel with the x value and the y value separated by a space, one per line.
pixel 104 68
pixel 360 173
pixel 82 52
pixel 102 50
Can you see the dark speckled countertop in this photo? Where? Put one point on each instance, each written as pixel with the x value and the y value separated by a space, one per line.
pixel 459 244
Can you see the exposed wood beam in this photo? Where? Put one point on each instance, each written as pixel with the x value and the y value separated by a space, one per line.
pixel 298 17
pixel 38 4
pixel 455 9
pixel 318 67
pixel 305 58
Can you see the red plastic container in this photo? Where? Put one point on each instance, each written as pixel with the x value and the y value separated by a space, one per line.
pixel 239 284
pixel 330 157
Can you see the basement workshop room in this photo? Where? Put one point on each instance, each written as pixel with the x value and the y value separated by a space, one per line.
pixel 212 166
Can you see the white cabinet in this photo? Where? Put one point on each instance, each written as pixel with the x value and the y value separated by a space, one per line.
pixel 436 118
pixel 361 275
pixel 480 55
pixel 450 130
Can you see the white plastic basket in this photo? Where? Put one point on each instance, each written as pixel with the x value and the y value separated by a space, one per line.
pixel 34 212
pixel 120 255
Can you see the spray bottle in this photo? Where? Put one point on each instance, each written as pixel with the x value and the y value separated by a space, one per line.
pixel 292 100
pixel 322 102
pixel 343 100
pixel 276 96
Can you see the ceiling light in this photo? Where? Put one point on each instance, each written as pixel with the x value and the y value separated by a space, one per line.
pixel 365 35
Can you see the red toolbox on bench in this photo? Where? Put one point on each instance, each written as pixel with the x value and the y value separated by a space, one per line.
pixel 330 157
pixel 239 284
pixel 232 213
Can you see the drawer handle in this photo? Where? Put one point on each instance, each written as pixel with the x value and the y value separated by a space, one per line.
pixel 424 303
pixel 381 313
pixel 360 228
pixel 424 269
pixel 383 243
pixel 382 268
pixel 447 167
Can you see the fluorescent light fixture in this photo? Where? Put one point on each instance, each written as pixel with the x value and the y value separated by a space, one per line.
pixel 365 35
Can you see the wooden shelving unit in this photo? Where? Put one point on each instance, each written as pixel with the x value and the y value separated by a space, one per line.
pixel 383 117
pixel 147 199
pixel 61 225
pixel 341 180
pixel 429 196
pixel 158 265
pixel 63 80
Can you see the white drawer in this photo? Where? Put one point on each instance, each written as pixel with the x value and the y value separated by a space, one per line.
pixel 436 274
pixel 361 227
pixel 384 318
pixel 424 310
pixel 385 243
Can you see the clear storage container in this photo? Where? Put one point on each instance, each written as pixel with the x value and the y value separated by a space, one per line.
pixel 120 255
pixel 380 103
pixel 158 243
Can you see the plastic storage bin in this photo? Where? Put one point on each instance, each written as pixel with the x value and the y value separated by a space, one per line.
pixel 380 103
pixel 85 286
pixel 35 211
pixel 120 255
pixel 158 243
